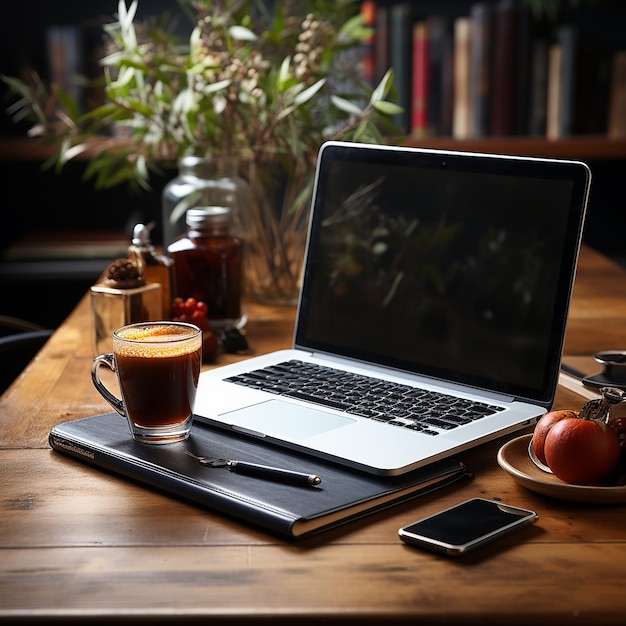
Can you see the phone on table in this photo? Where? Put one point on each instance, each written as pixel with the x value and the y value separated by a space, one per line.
pixel 466 526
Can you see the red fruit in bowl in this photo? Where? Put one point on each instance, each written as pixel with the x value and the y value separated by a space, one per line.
pixel 543 427
pixel 582 451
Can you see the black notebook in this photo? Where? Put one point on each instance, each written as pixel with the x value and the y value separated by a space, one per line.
pixel 289 510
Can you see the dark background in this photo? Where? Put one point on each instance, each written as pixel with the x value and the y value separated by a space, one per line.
pixel 33 200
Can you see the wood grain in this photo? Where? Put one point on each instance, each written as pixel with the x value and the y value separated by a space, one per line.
pixel 79 544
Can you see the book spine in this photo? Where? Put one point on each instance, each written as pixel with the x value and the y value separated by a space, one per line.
pixel 554 94
pixel 523 69
pixel 504 70
pixel 617 105
pixel 420 81
pixel 537 113
pixel 481 71
pixel 368 58
pixel 400 43
pixel 567 38
pixel 218 500
pixel 461 120
pixel 447 84
pixel 439 75
pixel 381 42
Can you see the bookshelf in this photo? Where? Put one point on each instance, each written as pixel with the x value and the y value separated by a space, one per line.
pixel 29 194
pixel 584 147
pixel 494 68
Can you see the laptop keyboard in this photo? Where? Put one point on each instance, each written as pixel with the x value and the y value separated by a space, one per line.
pixel 384 401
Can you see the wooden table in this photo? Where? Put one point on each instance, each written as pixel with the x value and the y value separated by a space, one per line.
pixel 78 544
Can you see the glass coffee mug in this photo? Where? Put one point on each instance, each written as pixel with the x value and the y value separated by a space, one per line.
pixel 157 366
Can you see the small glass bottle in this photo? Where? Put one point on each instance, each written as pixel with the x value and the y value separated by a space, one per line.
pixel 154 267
pixel 208 262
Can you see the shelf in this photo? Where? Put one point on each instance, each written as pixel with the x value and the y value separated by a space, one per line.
pixel 590 147
pixel 25 149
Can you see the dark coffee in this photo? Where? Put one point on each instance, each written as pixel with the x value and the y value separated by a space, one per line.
pixel 158 380
pixel 159 391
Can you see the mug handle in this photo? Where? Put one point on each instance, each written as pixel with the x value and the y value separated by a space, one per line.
pixel 109 361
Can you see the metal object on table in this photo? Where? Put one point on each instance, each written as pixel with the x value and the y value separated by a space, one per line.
pixel 259 471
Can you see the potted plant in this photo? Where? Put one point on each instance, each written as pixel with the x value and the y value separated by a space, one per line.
pixel 263 88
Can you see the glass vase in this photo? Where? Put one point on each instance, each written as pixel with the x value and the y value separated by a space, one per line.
pixel 275 233
pixel 204 181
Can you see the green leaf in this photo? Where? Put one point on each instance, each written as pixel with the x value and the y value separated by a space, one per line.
pixel 283 73
pixel 308 93
pixel 241 33
pixel 346 105
pixel 383 87
pixel 68 104
pixel 140 107
pixel 388 108
pixel 75 151
pixel 218 86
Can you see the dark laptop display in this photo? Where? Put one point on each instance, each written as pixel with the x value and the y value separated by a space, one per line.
pixel 455 269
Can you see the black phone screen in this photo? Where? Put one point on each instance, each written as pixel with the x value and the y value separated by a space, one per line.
pixel 467 524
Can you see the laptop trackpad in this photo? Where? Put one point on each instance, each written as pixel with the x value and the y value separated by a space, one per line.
pixel 285 420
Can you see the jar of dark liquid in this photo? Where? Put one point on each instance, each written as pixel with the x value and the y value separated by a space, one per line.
pixel 208 262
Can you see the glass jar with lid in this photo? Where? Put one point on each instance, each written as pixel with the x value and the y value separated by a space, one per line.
pixel 209 265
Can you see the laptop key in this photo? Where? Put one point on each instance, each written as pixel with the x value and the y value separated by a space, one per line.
pixel 342 406
pixel 365 412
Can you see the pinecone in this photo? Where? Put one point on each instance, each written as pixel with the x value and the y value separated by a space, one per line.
pixel 123 274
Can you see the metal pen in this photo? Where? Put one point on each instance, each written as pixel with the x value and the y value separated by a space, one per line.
pixel 260 471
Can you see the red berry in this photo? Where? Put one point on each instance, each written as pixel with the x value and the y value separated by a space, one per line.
pixel 199 319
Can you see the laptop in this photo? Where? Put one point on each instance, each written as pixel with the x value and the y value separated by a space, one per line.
pixel 440 280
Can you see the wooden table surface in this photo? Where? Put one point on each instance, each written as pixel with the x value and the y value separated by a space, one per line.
pixel 79 544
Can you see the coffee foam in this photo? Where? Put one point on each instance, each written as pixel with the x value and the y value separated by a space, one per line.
pixel 156 341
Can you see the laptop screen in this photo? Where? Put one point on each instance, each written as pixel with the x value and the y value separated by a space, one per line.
pixel 448 265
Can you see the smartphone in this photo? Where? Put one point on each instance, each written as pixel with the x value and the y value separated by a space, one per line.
pixel 466 526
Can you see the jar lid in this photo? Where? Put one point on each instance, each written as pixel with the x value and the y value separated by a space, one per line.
pixel 207 216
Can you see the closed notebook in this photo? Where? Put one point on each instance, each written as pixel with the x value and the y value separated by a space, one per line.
pixel 289 510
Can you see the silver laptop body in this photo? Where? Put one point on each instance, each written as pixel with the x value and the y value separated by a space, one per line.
pixel 435 271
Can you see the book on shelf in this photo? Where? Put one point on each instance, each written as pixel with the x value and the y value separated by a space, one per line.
pixel 287 510
pixel 480 60
pixel 381 41
pixel 617 105
pixel 537 111
pixel 503 100
pixel 462 105
pixel 554 92
pixel 368 59
pixel 400 58
pixel 420 81
pixel 567 38
pixel 500 71
pixel 432 77
pixel 440 93
pixel 523 68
